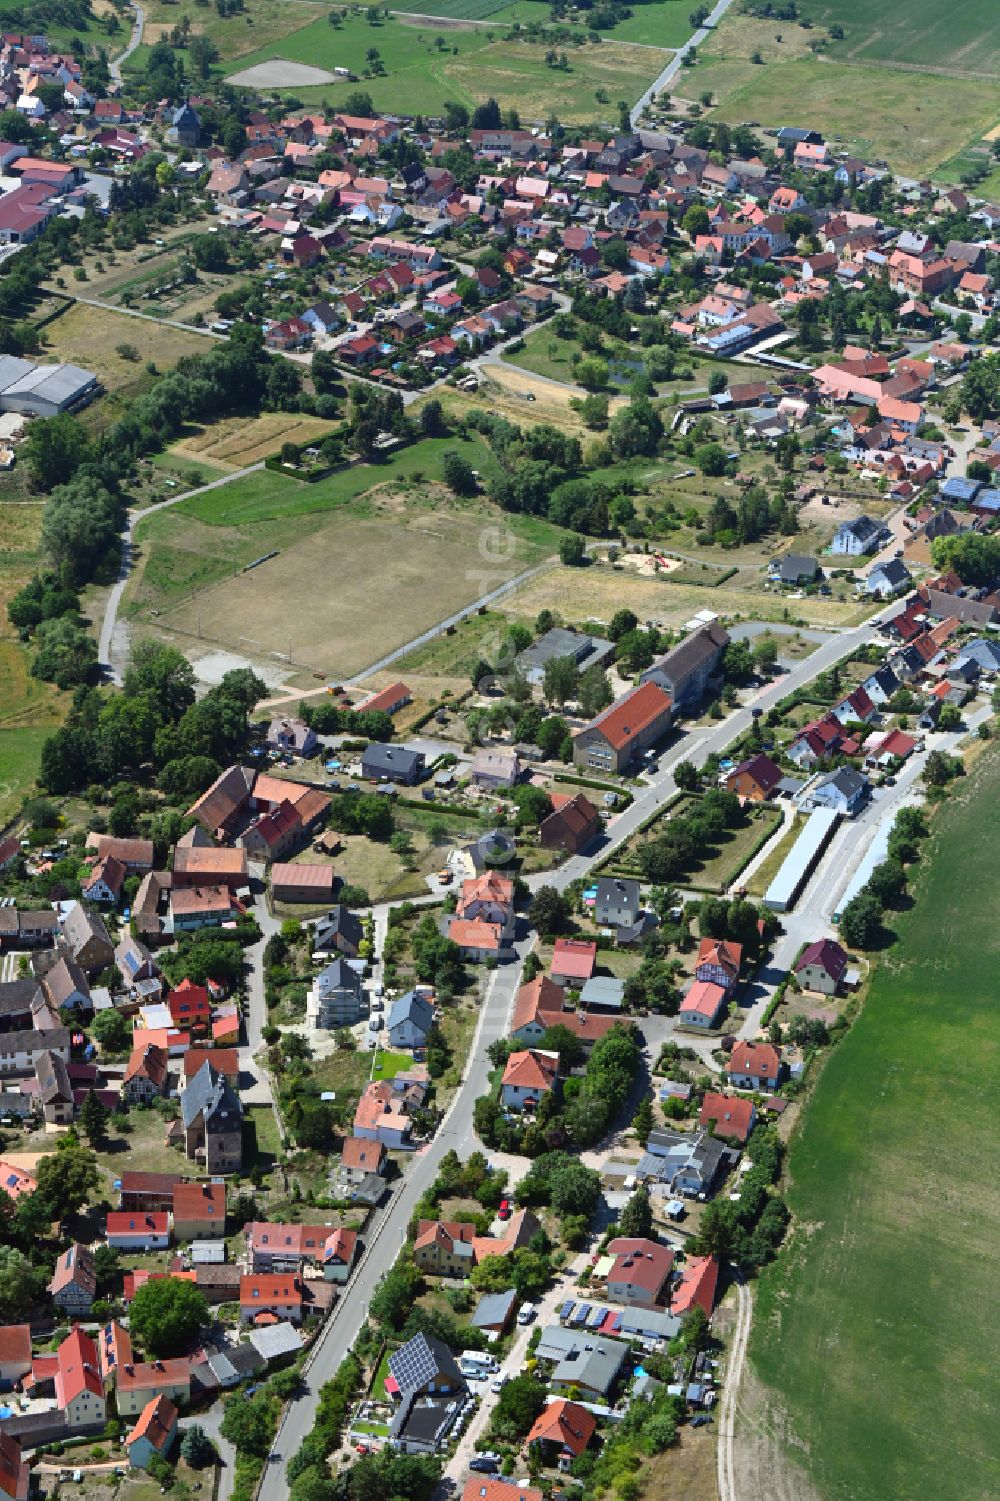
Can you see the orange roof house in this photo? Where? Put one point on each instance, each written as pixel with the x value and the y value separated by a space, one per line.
pixel 566 1425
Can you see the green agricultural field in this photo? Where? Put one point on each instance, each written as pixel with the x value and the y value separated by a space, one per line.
pixel 915 127
pixel 961 38
pixel 876 1331
pixel 426 67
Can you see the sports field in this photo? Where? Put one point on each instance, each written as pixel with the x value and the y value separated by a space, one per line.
pixel 866 107
pixel 358 570
pixel 877 1329
pixel 468 67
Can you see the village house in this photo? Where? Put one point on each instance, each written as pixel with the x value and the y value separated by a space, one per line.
pixel 573 825
pixel 612 741
pixel 640 1271
pixel 527 1077
pixel 573 961
pixel 199 1210
pixel 74 1281
pixel 822 966
pixel 730 1116
pixel 754 780
pixel 212 1119
pixel 754 1065
pixel 154 1433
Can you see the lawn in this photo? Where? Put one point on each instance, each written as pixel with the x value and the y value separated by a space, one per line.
pixel 660 23
pixel 262 1146
pixel 595 593
pixel 877 1328
pixel 468 66
pixel 915 127
pixel 29 708
pixel 388 1065
pixel 545 353
pixel 775 858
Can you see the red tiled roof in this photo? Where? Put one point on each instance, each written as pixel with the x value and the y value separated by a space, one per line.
pixel 564 1423
pixel 633 713
pixel 156 1423
pixel 731 1115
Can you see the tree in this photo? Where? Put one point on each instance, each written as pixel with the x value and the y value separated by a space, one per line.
pixel 696 221
pixel 765 652
pixel 861 921
pixel 560 680
pixel 711 459
pixel 687 776
pixel 643 1120
pixel 17 1285
pixel 458 474
pixel 622 621
pixel 572 551
pixel 94 1118
pixel 247 1422
pixel 203 53
pixel 594 692
pixel 54 447
pixel 166 1315
pixel 66 1179
pixel 393 1298
pixel 636 1219
pixel 520 1403
pixel 197 1448
pixel 940 768
pixel 161 674
pixel 549 911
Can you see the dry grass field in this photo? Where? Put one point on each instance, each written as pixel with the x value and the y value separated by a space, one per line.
pixel 595 593
pixel 92 337
pixel 345 588
pixel 238 441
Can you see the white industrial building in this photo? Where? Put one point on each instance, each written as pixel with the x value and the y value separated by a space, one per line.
pixel 43 390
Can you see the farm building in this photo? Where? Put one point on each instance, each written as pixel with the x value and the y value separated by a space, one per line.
pixel 302 883
pixel 43 390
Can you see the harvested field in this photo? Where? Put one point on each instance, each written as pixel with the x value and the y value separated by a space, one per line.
pixel 238 441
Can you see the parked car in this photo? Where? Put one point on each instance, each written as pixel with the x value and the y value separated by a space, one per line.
pixel 484 1466
pixel 503 1213
pixel 526 1313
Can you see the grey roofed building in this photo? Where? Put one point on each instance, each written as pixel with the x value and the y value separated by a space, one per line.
pixel 685 1161
pixel 581 1359
pixel 648 1323
pixel 16 997
pixel 795 568
pixel 43 390
pixel 340 930
pixel 207 1252
pixel 686 669
pixel 494 1310
pixel 586 651
pixel 881 685
pixel 983 651
pixel 410 1020
pixel 336 996
pixel 371 1190
pixel 843 789
pixel 603 993
pixel 617 902
pixel 276 1341
pixel 392 763
pixel 888 577
pixel 213 1120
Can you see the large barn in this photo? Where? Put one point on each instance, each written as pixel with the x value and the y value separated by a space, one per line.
pixel 43 390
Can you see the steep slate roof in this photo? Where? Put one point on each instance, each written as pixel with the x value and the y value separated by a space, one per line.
pixel 209 1096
